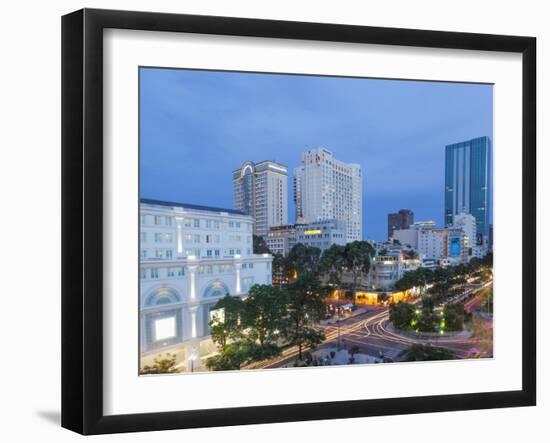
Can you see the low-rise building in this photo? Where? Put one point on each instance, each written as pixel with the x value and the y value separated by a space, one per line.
pixel 434 243
pixel 190 257
pixel 388 268
pixel 321 234
pixel 281 239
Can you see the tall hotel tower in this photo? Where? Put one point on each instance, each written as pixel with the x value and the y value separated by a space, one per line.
pixel 261 190
pixel 328 189
pixel 468 183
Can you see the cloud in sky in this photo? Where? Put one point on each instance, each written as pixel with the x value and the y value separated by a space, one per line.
pixel 196 127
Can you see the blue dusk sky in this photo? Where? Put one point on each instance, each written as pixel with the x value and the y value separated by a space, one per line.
pixel 196 127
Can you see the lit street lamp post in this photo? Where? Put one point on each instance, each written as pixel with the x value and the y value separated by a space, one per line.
pixel 192 359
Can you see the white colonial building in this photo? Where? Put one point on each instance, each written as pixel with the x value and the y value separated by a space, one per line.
pixel 190 257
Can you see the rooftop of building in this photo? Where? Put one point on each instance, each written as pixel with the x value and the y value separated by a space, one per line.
pixel 150 201
pixel 277 165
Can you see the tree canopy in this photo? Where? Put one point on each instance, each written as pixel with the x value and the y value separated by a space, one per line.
pixel 420 352
pixel 259 246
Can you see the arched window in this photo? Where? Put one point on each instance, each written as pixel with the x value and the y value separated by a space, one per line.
pixel 162 296
pixel 215 289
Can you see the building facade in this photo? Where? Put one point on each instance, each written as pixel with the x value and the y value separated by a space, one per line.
pixel 322 235
pixel 388 268
pixel 443 244
pixel 467 223
pixel 409 236
pixel 402 219
pixel 328 189
pixel 190 257
pixel 281 239
pixel 261 191
pixel 468 183
pixel 432 243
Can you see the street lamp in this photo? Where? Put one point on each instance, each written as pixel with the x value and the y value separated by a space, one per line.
pixel 192 358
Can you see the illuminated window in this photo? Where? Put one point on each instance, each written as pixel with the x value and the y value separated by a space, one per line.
pixel 165 328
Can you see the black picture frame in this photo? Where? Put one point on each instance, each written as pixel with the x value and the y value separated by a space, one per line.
pixel 82 215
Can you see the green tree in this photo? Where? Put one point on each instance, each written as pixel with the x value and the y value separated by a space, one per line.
pixel 419 352
pixel 402 315
pixel 166 365
pixel 233 356
pixel 305 309
pixel 332 264
pixel 357 260
pixel 426 320
pixel 417 278
pixel 259 246
pixel 264 317
pixel 227 327
pixel 453 315
pixel 303 260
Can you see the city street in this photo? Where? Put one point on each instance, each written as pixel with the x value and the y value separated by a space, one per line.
pixel 370 332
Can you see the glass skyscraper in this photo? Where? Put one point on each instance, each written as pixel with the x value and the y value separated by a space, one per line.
pixel 468 183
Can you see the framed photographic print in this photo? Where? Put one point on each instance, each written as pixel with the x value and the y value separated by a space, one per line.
pixel 269 221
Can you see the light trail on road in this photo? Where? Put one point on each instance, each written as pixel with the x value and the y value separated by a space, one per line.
pixel 369 331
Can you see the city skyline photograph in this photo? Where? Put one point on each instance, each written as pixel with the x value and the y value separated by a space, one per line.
pixel 296 221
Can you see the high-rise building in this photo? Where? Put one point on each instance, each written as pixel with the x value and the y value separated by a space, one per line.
pixel 402 219
pixel 261 190
pixel 329 189
pixel 468 183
